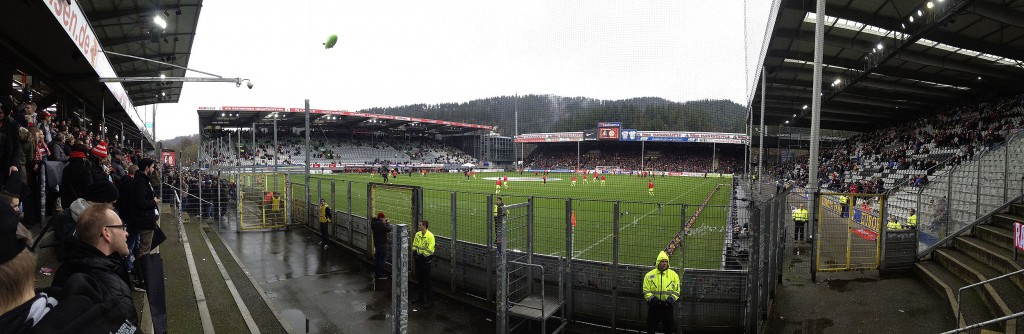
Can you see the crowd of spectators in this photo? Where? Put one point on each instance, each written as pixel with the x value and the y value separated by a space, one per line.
pixel 922 146
pixel 328 148
pixel 679 159
pixel 101 206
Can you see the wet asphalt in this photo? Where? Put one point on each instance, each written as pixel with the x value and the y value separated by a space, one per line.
pixel 332 291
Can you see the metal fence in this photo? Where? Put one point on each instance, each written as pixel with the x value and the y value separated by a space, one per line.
pixel 954 199
pixel 730 263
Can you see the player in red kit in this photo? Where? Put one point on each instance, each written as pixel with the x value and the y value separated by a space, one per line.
pixel 650 187
pixel 505 182
pixel 497 186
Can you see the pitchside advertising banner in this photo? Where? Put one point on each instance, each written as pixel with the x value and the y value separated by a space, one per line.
pixel 605 133
pixel 1018 235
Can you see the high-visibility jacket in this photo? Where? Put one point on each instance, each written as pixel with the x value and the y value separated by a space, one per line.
pixel 800 215
pixel 912 221
pixel 423 243
pixel 843 199
pixel 661 285
pixel 324 217
pixel 495 210
pixel 277 204
pixel 894 225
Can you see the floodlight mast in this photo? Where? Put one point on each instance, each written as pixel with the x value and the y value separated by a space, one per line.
pixel 216 78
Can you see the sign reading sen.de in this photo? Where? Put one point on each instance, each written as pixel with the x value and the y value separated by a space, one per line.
pixel 1018 235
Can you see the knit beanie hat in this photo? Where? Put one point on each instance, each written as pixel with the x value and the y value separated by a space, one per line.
pixel 100 150
pixel 101 192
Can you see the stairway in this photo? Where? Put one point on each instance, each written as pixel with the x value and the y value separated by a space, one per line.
pixel 981 254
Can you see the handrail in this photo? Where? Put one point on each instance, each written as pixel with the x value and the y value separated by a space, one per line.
pixel 959 309
pixel 985 323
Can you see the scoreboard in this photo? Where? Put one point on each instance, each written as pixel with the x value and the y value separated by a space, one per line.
pixel 608 130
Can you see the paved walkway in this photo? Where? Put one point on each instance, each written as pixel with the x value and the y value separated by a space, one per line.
pixel 333 291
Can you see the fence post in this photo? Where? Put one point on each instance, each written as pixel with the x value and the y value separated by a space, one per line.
pixel 400 279
pixel 529 245
pixel 1006 172
pixel 753 279
pixel 287 197
pixel 351 217
pixel 811 224
pixel 949 202
pixel 615 264
pixel 334 206
pixel 455 239
pixel 682 263
pixel 977 190
pixel 369 216
pixel 501 300
pixel 490 245
pixel 568 259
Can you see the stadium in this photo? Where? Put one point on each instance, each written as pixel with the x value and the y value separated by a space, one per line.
pixel 871 178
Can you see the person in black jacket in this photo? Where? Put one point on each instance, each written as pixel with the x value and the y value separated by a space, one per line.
pixel 99 244
pixel 76 177
pixel 80 305
pixel 144 201
pixel 10 144
pixel 380 227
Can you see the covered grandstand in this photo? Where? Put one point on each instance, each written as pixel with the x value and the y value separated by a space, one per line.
pixel 341 139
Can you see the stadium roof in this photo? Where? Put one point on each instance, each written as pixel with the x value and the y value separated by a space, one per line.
pixel 62 45
pixel 245 117
pixel 886 60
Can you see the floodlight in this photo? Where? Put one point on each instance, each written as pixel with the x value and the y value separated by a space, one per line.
pixel 930 5
pixel 880 46
pixel 920 13
pixel 911 18
pixel 159 21
pixel 805 107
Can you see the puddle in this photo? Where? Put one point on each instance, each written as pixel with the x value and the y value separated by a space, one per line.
pixel 839 285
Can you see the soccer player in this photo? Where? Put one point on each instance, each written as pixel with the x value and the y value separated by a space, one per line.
pixel 650 187
pixel 595 175
pixel 423 172
pixel 586 177
pixel 474 175
pixel 602 180
pixel 573 182
pixel 545 177
pixel 497 186
pixel 505 182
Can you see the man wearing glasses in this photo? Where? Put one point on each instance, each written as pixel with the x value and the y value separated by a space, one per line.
pixel 99 244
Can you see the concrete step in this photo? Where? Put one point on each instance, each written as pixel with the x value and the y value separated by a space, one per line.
pixel 994 234
pixel 946 284
pixel 995 255
pixel 1006 220
pixel 998 296
pixel 1017 209
pixel 224 313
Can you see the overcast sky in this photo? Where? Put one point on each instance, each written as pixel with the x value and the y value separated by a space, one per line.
pixel 393 53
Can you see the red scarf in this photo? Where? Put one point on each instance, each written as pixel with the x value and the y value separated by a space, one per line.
pixel 42 151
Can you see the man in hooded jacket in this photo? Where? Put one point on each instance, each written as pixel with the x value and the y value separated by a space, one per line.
pixel 661 290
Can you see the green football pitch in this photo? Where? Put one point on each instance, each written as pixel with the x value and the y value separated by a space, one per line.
pixel 647 222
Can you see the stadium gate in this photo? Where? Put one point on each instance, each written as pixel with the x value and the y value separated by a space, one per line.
pixel 519 294
pixel 849 228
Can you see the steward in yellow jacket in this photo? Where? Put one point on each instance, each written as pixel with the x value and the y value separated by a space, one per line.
pixel 661 290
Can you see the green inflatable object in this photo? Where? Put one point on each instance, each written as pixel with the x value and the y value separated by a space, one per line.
pixel 331 40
